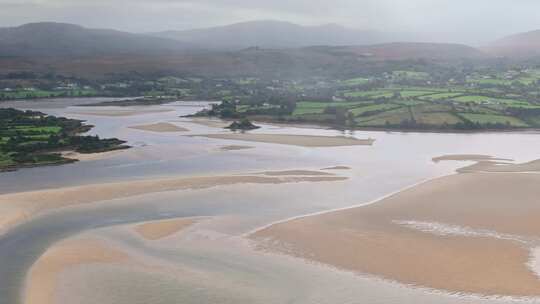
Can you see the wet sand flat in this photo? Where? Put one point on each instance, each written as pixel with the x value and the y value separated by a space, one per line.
pixel 161 229
pixel 296 173
pixel 91 156
pixel 337 168
pixel 19 207
pixel 485 163
pixel 235 148
pixel 468 157
pixel 161 127
pixel 468 233
pixel 42 277
pixel 209 122
pixel 295 140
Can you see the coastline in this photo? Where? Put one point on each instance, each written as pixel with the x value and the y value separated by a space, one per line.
pixel 20 207
pixel 374 238
pixel 320 125
pixel 310 141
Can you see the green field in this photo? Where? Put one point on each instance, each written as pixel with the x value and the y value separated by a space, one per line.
pixel 309 107
pixel 414 93
pixel 411 75
pixel 371 108
pixel 370 94
pixel 391 117
pixel 23 94
pixel 29 138
pixel 355 82
pixel 472 98
pixel 440 96
pixel 484 119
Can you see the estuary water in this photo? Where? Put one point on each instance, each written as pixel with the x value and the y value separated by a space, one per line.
pixel 213 262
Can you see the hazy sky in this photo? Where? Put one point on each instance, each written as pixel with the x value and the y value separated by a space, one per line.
pixel 470 20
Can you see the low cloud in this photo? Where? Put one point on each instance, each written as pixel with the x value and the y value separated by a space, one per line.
pixel 457 20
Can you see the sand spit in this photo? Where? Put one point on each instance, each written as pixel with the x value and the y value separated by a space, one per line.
pixel 235 148
pixel 295 140
pixel 91 156
pixel 18 207
pixel 122 112
pixel 337 168
pixel 153 231
pixel 486 163
pixel 492 217
pixel 161 127
pixel 295 173
pixel 209 122
pixel 42 277
pixel 469 157
pixel 497 167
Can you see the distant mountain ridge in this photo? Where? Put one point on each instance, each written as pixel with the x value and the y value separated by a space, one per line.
pixel 412 50
pixel 61 39
pixel 519 46
pixel 275 34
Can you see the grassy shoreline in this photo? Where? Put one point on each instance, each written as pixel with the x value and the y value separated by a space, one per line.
pixel 31 139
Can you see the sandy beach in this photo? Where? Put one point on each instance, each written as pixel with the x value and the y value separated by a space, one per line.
pixel 295 140
pixel 18 207
pixel 162 127
pixel 42 277
pixel 91 156
pixel 471 233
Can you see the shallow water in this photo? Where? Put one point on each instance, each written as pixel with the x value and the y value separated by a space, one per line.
pixel 213 250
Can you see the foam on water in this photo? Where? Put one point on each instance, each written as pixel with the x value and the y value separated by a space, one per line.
pixel 442 229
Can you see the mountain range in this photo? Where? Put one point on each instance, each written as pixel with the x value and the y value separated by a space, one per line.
pixel 263 47
pixel 276 34
pixel 60 39
pixel 519 46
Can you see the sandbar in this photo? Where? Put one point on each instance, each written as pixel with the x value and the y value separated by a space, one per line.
pixel 338 168
pixel 162 127
pixel 468 157
pixel 235 148
pixel 491 164
pixel 19 207
pixel 295 140
pixel 91 156
pixel 296 173
pixel 42 278
pixel 209 122
pixel 161 229
pixel 468 233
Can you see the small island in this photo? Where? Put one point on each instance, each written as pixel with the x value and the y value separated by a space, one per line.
pixel 243 125
pixel 30 138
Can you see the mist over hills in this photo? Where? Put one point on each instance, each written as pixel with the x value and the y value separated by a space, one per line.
pixel 262 47
pixel 60 39
pixel 277 34
pixel 519 46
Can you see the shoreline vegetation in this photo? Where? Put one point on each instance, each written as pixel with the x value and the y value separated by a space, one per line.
pixel 381 115
pixel 31 139
pixel 243 125
pixel 144 101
